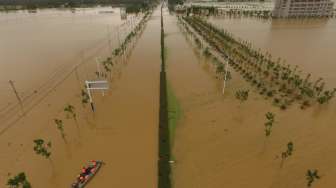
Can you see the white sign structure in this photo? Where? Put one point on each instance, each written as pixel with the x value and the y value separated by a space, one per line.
pixel 95 85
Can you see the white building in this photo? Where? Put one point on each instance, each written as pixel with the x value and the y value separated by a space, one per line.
pixel 303 8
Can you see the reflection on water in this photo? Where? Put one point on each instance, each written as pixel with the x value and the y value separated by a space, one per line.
pixel 309 43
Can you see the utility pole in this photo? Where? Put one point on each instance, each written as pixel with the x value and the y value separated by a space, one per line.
pixel 109 38
pixel 226 71
pixel 95 85
pixel 16 94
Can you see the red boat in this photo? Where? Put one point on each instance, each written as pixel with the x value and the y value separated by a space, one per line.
pixel 87 174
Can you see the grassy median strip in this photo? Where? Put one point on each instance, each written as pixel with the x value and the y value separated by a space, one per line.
pixel 164 169
pixel 174 114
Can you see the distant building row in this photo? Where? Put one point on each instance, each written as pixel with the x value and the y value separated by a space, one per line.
pixel 303 8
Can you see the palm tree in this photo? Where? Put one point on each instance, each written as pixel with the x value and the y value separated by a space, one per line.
pixel 311 176
pixel 19 180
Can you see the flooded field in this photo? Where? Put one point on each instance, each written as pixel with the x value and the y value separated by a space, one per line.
pixel 308 43
pixel 35 47
pixel 50 74
pixel 220 141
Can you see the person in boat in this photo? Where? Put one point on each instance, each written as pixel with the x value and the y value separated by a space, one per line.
pixel 87 171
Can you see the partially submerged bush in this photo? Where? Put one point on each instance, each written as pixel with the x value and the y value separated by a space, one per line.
pixel 42 148
pixel 311 176
pixel 19 180
pixel 59 126
pixel 269 123
pixel 242 95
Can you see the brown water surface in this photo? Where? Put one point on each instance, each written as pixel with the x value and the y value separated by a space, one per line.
pixel 35 47
pixel 220 142
pixel 308 43
pixel 123 130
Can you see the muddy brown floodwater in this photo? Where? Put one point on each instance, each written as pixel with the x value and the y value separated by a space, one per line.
pixel 34 48
pixel 123 130
pixel 308 43
pixel 220 142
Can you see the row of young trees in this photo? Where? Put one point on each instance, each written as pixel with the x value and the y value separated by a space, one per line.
pixel 215 11
pixel 218 68
pixel 43 147
pixel 238 13
pixel 198 33
pixel 274 79
pixel 118 53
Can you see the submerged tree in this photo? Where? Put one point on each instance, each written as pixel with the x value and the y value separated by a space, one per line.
pixel 107 64
pixel 85 97
pixel 70 111
pixel 326 97
pixel 242 95
pixel 207 52
pixel 221 72
pixel 288 152
pixel 42 148
pixel 59 126
pixel 269 123
pixel 19 180
pixel 272 78
pixel 311 176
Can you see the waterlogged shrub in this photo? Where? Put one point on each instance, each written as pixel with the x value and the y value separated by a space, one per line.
pixel 269 123
pixel 327 96
pixel 288 152
pixel 42 148
pixel 70 111
pixel 85 97
pixel 20 180
pixel 206 52
pixel 311 176
pixel 59 126
pixel 242 95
